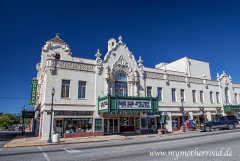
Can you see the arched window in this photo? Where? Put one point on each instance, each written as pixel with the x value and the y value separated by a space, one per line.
pixel 121 85
pixel 226 95
pixel 57 56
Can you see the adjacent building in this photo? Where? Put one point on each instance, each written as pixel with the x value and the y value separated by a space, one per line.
pixel 118 94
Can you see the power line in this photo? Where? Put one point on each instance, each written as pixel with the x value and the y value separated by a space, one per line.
pixel 14 98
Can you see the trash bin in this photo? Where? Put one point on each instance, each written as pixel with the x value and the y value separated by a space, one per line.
pixel 56 138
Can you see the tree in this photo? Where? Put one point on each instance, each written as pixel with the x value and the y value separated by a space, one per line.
pixel 5 121
pixel 15 117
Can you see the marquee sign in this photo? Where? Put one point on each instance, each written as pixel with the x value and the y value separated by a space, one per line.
pixel 33 92
pixel 103 105
pixel 134 104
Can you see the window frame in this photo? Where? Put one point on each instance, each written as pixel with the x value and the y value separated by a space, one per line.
pixel 236 98
pixel 65 85
pixel 194 96
pixel 174 94
pixel 211 97
pixel 149 91
pixel 217 96
pixel 124 90
pixel 182 94
pixel 226 95
pixel 82 90
pixel 161 94
pixel 201 96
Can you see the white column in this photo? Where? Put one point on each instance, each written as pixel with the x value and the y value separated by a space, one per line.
pixel 106 87
pixel 190 115
pixel 136 89
pixel 169 121
pixel 208 116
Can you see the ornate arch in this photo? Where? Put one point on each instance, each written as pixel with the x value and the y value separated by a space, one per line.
pixel 121 66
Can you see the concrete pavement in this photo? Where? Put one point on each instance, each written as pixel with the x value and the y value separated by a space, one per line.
pixel 28 139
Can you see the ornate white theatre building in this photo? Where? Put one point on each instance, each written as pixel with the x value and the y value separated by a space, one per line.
pixel 118 94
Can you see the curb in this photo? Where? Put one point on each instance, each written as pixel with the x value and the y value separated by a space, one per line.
pixel 5 146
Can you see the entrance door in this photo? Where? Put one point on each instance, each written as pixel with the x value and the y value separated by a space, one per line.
pixel 115 126
pixel 110 125
pixel 105 126
pixel 59 127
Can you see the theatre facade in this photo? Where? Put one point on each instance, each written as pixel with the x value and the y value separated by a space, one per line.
pixel 118 94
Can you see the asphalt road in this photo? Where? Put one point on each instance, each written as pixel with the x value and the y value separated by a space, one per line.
pixel 215 145
pixel 6 136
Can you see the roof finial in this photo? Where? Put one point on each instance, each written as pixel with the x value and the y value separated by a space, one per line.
pixel 140 61
pixel 120 39
pixel 98 54
pixel 57 35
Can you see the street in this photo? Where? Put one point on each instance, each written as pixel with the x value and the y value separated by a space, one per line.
pixel 199 146
pixel 6 136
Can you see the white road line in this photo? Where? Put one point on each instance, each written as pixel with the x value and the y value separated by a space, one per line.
pixel 45 155
pixel 71 150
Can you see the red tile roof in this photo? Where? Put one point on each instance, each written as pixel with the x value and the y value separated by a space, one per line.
pixel 57 39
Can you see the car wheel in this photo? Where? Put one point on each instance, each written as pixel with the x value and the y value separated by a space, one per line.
pixel 230 126
pixel 207 129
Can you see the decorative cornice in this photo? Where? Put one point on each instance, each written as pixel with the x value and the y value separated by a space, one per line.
pixel 74 66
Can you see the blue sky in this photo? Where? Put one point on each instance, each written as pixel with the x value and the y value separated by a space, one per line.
pixel 159 31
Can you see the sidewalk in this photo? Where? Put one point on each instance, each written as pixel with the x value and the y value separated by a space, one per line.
pixel 28 139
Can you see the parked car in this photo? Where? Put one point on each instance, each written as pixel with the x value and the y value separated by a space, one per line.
pixel 222 122
pixel 11 128
pixel 238 123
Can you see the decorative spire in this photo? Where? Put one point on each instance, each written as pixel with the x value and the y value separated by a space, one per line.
pixel 120 39
pixel 230 76
pixel 140 61
pixel 217 75
pixel 98 54
pixel 57 35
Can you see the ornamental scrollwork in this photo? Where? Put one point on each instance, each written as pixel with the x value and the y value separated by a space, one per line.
pixel 154 75
pixel 212 82
pixel 74 66
pixel 176 78
pixel 196 80
pixel 235 85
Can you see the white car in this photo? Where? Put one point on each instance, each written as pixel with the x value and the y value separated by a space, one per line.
pixel 238 123
pixel 11 128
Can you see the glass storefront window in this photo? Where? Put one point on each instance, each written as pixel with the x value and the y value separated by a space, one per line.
pixel 174 122
pixel 127 121
pixel 78 125
pixel 137 123
pixel 143 123
pixel 98 124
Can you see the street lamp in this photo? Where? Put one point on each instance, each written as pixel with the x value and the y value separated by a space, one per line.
pixel 182 99
pixel 50 131
pixel 24 108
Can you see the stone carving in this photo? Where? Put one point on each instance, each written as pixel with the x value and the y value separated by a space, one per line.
pixel 212 82
pixel 176 78
pixel 196 80
pixel 74 65
pixel 223 75
pixel 235 85
pixel 121 66
pixel 98 62
pixel 154 75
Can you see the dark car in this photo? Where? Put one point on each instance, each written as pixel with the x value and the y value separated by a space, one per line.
pixel 222 122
